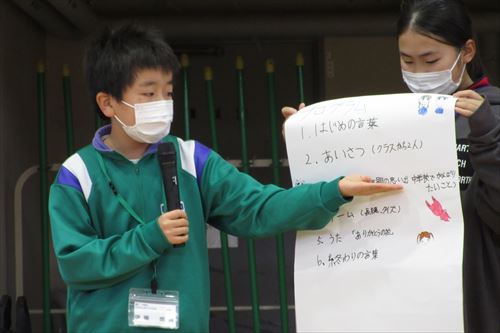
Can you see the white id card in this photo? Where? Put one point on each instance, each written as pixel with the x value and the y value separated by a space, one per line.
pixel 146 309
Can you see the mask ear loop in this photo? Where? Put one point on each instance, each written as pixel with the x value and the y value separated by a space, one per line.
pixel 121 122
pixel 129 105
pixel 463 69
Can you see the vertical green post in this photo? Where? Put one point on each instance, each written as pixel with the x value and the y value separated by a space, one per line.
pixel 246 168
pixel 185 66
pixel 280 245
pixel 209 77
pixel 41 106
pixel 70 137
pixel 300 77
pixel 226 262
pixel 99 122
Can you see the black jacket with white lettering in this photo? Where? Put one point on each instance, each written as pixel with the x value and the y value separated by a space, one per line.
pixel 481 208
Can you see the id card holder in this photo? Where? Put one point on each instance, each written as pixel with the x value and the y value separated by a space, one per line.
pixel 146 309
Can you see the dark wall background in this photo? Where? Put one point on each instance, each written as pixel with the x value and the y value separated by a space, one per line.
pixel 348 47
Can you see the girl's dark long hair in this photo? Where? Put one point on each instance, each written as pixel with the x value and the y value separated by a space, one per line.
pixel 445 20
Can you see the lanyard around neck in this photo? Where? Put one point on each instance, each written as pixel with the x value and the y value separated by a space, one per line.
pixel 131 211
pixel 121 200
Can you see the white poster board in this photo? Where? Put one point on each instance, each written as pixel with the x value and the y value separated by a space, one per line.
pixel 391 262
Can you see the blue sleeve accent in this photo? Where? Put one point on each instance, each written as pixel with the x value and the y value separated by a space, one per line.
pixel 201 154
pixel 65 177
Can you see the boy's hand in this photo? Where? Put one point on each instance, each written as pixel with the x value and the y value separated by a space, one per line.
pixel 288 111
pixel 468 102
pixel 354 185
pixel 175 226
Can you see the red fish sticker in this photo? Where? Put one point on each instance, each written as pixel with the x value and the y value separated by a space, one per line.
pixel 438 210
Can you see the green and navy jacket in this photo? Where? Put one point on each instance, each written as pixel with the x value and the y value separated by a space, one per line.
pixel 103 251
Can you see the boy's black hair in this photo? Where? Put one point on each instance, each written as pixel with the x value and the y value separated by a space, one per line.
pixel 445 19
pixel 113 59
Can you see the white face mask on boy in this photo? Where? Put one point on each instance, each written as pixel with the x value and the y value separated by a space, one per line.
pixel 152 121
pixel 433 82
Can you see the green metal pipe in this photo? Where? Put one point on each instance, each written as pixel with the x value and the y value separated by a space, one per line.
pixel 300 77
pixel 208 74
pixel 99 122
pixel 70 137
pixel 226 262
pixel 273 123
pixel 41 106
pixel 246 168
pixel 280 245
pixel 185 66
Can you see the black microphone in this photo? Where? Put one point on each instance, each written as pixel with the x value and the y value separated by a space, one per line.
pixel 168 165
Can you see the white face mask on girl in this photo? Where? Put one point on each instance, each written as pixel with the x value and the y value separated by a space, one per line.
pixel 433 82
pixel 152 121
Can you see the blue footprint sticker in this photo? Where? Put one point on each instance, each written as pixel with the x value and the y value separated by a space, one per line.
pixel 423 104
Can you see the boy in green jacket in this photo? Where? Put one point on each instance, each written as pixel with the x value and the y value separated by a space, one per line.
pixel 113 241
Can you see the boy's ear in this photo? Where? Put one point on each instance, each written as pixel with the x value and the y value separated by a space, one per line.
pixel 105 103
